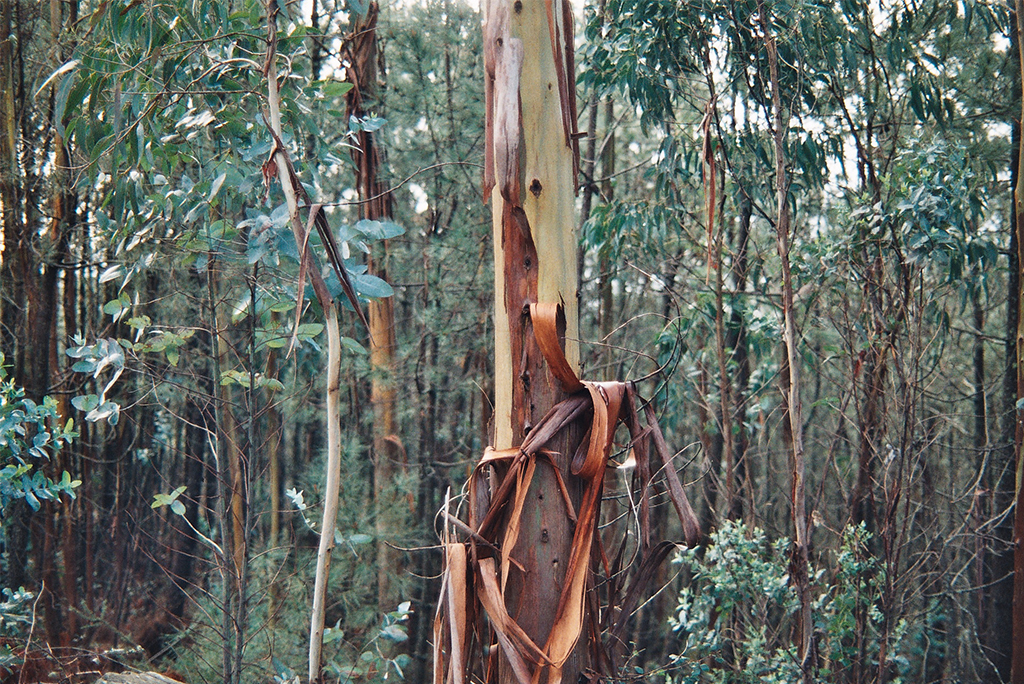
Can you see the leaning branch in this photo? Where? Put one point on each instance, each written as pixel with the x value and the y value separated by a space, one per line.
pixel 279 164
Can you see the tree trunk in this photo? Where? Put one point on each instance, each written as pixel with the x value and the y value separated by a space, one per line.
pixel 981 462
pixel 1017 663
pixel 275 437
pixel 801 551
pixel 998 639
pixel 605 291
pixel 535 260
pixel 736 340
pixel 388 453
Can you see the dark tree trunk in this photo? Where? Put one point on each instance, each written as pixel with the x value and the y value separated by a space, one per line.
pixel 997 639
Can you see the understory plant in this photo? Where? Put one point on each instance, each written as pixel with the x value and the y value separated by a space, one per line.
pixel 733 620
pixel 31 434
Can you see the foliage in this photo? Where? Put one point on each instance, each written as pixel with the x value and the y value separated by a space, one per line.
pixel 855 592
pixel 15 621
pixel 731 617
pixel 931 207
pixel 174 283
pixel 734 616
pixel 15 613
pixel 374 662
pixel 379 658
pixel 30 435
pixel 95 358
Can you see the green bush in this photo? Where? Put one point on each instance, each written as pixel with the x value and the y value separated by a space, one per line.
pixel 735 618
pixel 29 434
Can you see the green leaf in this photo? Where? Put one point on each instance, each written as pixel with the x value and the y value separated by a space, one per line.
pixel 395 633
pixel 85 402
pixel 113 307
pixel 216 185
pixel 309 330
pixel 336 89
pixel 271 384
pixel 87 366
pixel 60 103
pixel 379 230
pixel 107 410
pixel 371 286
pixel 232 377
pixel 139 322
pixel 353 345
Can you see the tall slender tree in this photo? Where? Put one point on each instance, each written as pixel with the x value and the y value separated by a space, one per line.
pixel 1017 660
pixel 791 380
pixel 375 204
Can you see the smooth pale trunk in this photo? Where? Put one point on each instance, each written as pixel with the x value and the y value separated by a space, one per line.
pixel 550 211
pixel 547 195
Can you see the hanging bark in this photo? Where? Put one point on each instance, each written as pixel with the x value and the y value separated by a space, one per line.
pixel 535 498
pixel 527 110
pixel 279 166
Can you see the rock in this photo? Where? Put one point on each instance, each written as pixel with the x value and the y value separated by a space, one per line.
pixel 136 678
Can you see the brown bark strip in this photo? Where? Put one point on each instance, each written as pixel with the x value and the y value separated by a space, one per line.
pixel 710 179
pixel 525 505
pixel 563 51
pixel 596 409
pixel 572 115
pixel 278 159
